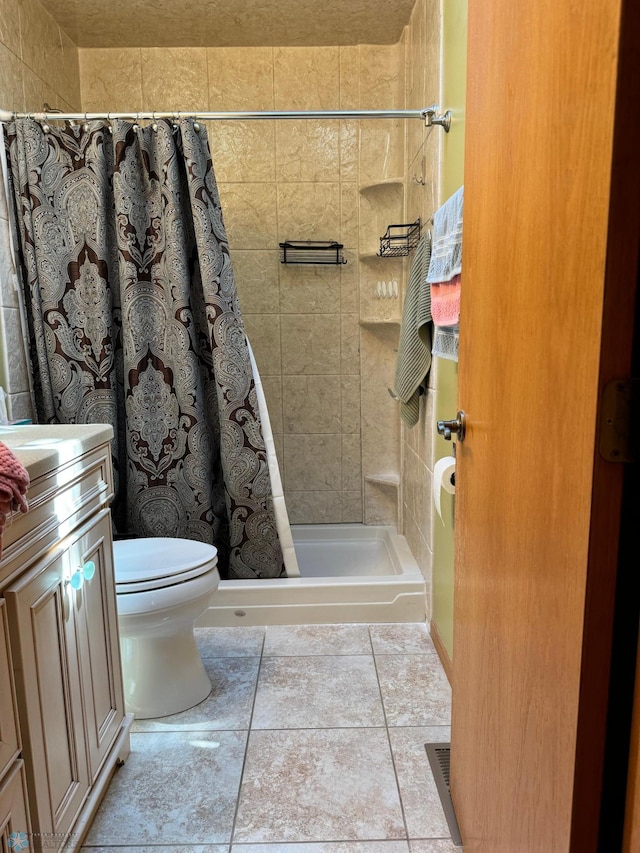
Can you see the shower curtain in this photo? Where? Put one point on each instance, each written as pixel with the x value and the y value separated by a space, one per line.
pixel 135 322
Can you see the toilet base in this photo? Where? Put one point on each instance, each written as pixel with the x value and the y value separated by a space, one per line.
pixel 162 675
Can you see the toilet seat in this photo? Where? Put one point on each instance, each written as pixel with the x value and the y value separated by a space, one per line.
pixel 142 565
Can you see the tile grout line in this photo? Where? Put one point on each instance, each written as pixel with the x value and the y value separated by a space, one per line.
pixel 386 727
pixel 246 748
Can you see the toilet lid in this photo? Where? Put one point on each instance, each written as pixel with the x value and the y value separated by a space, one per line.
pixel 151 563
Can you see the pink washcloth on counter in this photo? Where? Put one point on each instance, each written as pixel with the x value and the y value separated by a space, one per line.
pixel 445 302
pixel 14 482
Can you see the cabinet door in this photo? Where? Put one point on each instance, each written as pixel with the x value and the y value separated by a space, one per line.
pixel 98 640
pixel 14 814
pixel 45 659
pixel 9 742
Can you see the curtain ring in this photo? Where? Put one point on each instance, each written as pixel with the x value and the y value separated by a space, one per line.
pixel 196 126
pixel 85 126
pixel 154 125
pixel 109 125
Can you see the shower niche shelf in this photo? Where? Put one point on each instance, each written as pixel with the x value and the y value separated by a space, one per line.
pixel 382 184
pixel 391 480
pixel 374 323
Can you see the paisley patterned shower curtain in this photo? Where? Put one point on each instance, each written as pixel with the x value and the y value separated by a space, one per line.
pixel 135 322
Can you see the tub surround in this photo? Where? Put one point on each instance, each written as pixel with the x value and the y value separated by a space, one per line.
pixel 60 651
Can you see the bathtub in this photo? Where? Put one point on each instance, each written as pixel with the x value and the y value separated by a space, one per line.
pixel 348 573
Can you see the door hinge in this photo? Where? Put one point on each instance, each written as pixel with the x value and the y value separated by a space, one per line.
pixel 619 420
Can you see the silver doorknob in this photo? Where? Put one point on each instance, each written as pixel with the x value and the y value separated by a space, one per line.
pixel 458 426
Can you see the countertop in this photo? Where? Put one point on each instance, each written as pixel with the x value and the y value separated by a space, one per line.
pixel 42 448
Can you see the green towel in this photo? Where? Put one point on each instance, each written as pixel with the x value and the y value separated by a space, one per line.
pixel 414 349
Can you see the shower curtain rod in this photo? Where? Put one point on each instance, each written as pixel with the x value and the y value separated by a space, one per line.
pixel 428 114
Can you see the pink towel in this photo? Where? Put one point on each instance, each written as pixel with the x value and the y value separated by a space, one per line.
pixel 14 482
pixel 445 302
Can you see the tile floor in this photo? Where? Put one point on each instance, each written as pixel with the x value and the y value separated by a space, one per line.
pixel 312 741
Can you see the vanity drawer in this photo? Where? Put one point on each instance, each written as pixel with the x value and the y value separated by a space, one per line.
pixel 59 501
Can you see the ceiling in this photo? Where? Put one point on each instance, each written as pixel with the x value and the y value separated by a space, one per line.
pixel 225 23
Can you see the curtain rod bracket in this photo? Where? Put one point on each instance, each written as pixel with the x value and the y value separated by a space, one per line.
pixel 431 117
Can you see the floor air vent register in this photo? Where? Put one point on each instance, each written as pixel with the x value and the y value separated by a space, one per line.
pixel 439 755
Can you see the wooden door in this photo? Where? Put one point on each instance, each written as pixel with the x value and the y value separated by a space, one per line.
pixel 550 259
pixel 9 737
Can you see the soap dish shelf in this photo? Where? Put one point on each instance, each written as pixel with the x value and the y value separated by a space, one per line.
pixel 311 252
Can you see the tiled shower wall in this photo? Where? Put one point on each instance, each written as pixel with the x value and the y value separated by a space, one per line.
pixel 38 64
pixel 287 180
pixel 422 198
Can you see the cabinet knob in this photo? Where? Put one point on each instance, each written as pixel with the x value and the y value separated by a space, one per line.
pixel 89 570
pixel 77 579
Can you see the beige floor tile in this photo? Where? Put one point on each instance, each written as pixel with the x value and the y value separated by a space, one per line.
pixel 317 692
pixel 415 690
pixel 318 786
pixel 401 638
pixel 230 642
pixel 228 706
pixel 175 785
pixel 435 845
pixel 328 847
pixel 420 800
pixel 317 640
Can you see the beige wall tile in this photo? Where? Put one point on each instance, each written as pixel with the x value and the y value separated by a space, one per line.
pixel 308 289
pixel 350 393
pixel 20 406
pixel 308 211
pixel 308 150
pixel 11 85
pixel 256 274
pixel 37 92
pixel 380 504
pixel 349 215
pixel 174 78
pixel 381 150
pixel 41 43
pixel 352 507
pixel 243 151
pixel 10 25
pixel 249 212
pixel 70 74
pixel 272 386
pixel 314 507
pixel 318 67
pixel 111 79
pixel 240 78
pixel 350 344
pixel 381 76
pixel 311 343
pixel 351 462
pixel 348 151
pixel 263 330
pixel 312 463
pixel 311 404
pixel 350 298
pixel 349 78
pixel 380 415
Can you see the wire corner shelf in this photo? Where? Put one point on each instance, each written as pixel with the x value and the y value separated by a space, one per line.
pixel 400 239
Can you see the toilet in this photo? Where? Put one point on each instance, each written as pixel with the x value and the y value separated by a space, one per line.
pixel 162 586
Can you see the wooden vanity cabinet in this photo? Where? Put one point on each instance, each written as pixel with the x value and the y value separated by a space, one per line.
pixel 63 665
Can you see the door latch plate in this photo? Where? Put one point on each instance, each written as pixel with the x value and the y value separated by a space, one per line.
pixel 618 419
